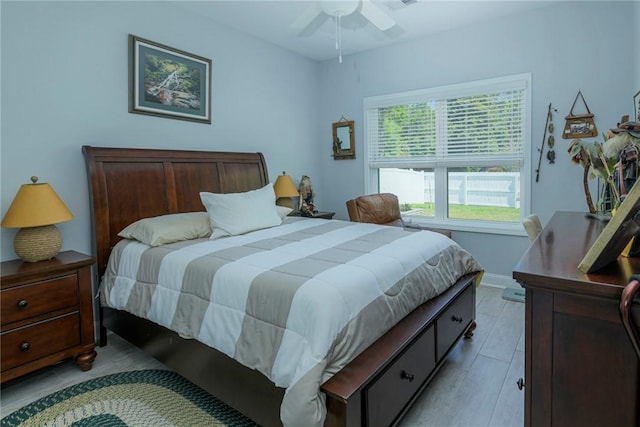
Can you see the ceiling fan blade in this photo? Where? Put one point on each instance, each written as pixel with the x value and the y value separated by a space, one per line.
pixel 307 18
pixel 376 15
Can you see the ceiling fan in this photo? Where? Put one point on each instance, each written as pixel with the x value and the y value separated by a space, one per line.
pixel 320 10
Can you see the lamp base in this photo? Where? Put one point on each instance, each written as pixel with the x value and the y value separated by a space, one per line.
pixel 286 202
pixel 34 244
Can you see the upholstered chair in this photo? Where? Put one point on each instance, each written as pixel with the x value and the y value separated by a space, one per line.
pixel 532 226
pixel 375 208
pixel 382 208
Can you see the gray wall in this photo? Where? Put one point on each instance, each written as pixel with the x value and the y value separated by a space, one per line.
pixel 567 47
pixel 64 84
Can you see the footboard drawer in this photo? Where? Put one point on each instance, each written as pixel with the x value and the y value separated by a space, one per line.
pixel 390 392
pixel 453 321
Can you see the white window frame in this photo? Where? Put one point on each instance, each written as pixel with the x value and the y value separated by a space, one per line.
pixel 451 91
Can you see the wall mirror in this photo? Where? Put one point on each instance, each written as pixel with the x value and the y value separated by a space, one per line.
pixel 344 141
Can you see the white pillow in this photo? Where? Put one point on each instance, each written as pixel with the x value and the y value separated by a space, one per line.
pixel 283 211
pixel 239 213
pixel 160 230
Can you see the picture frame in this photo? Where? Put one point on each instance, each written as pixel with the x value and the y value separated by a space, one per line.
pixel 580 127
pixel 616 235
pixel 168 82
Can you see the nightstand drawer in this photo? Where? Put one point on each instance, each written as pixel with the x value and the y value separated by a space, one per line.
pixel 23 302
pixel 26 344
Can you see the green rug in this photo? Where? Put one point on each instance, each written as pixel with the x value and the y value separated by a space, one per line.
pixel 137 398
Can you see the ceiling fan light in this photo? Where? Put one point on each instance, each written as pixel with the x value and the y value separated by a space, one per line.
pixel 342 7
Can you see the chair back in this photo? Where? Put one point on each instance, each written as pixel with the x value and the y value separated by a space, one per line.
pixel 532 226
pixel 626 312
pixel 380 208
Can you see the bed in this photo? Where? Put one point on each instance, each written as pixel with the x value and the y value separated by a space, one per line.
pixel 362 373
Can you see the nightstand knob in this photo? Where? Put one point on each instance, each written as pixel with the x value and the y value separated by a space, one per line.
pixel 23 304
pixel 25 346
pixel 456 319
pixel 520 383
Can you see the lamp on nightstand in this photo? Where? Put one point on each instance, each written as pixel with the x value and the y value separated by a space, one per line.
pixel 35 209
pixel 285 189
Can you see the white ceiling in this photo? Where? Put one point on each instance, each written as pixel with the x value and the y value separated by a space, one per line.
pixel 272 20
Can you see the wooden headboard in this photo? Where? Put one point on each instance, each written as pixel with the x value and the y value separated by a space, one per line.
pixel 128 184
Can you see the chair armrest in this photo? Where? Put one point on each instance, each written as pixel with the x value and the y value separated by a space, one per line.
pixel 421 227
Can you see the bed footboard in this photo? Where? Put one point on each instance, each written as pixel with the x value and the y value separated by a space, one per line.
pixel 378 387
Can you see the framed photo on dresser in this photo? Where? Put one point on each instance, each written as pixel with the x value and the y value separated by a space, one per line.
pixel 617 234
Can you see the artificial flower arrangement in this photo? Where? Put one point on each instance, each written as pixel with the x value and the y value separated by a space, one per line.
pixel 616 162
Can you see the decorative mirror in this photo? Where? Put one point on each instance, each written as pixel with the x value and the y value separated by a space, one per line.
pixel 344 141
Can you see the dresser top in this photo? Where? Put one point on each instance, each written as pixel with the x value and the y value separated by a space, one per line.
pixel 552 260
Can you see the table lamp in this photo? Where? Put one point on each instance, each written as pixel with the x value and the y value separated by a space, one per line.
pixel 285 189
pixel 35 209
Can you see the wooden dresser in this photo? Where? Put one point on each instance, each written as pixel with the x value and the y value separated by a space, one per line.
pixel 580 366
pixel 47 313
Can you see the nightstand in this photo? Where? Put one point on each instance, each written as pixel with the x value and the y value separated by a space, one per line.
pixel 46 314
pixel 319 214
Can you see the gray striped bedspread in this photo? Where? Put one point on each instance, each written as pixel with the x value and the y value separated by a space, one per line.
pixel 296 302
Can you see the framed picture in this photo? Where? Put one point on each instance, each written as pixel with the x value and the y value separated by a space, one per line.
pixel 579 127
pixel 168 82
pixel 616 235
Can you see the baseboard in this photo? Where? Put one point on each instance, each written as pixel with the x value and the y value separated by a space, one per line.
pixel 498 281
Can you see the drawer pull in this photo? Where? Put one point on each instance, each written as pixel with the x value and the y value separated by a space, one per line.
pixel 22 304
pixel 456 319
pixel 25 346
pixel 520 383
pixel 406 376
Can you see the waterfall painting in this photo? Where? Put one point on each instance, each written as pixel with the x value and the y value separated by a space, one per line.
pixel 168 82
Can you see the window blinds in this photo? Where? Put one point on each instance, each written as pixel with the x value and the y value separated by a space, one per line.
pixel 474 125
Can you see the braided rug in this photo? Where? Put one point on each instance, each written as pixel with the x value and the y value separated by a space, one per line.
pixel 151 397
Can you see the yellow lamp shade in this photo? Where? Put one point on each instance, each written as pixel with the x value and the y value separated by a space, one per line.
pixel 35 205
pixel 35 208
pixel 285 189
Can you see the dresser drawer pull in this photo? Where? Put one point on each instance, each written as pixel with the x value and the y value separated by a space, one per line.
pixel 456 319
pixel 520 383
pixel 22 304
pixel 406 376
pixel 25 346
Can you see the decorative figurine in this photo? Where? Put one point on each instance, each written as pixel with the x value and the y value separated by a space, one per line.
pixel 306 196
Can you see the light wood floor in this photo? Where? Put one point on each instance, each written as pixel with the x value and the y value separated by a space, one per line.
pixel 476 387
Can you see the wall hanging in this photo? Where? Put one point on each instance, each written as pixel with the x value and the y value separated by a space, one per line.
pixel 344 141
pixel 548 127
pixel 579 125
pixel 168 82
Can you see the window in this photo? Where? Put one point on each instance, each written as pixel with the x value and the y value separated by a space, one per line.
pixel 456 156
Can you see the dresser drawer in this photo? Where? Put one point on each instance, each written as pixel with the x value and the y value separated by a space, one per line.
pixel 454 320
pixel 389 393
pixel 37 298
pixel 41 339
